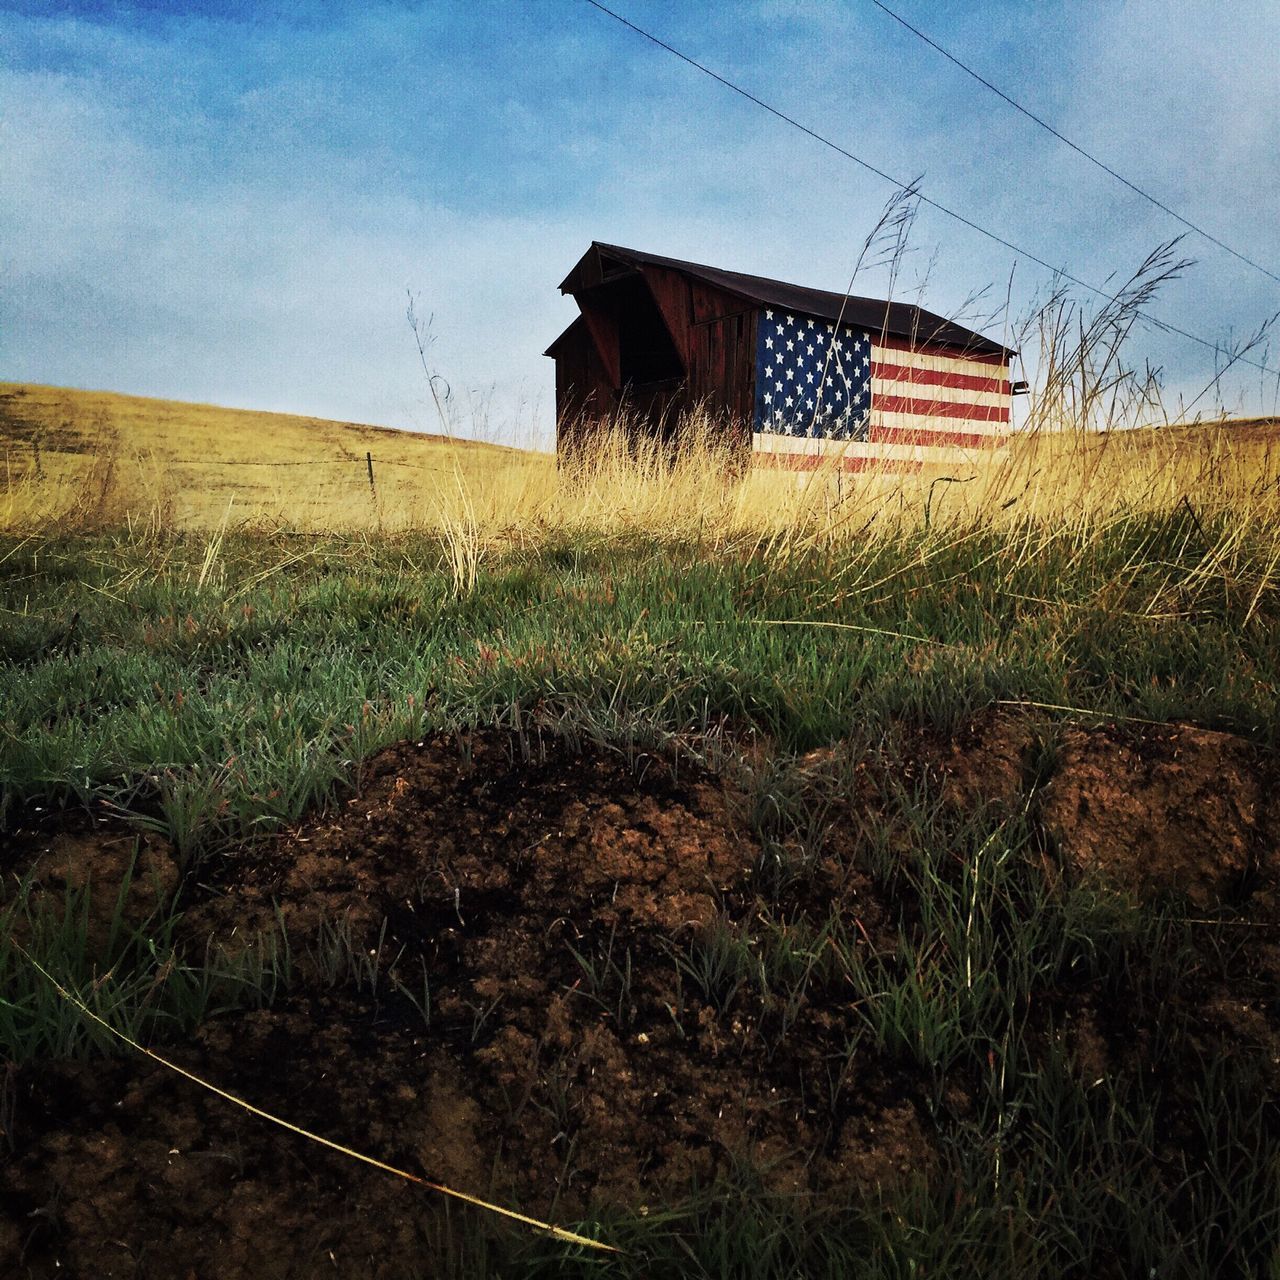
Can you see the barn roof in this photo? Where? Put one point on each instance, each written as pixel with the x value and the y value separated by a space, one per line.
pixel 576 323
pixel 894 319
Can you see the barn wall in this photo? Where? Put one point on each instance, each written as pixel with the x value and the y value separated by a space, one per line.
pixel 603 329
pixel 584 391
pixel 715 334
pixel 670 291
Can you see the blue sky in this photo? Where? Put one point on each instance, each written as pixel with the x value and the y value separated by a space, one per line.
pixel 227 203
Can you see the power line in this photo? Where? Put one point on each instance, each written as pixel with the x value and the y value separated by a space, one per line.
pixel 1075 146
pixel 904 186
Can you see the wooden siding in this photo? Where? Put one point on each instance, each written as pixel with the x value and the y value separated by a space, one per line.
pixel 584 390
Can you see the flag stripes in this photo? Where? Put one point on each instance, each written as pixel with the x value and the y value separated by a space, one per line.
pixel 936 408
pixel 872 403
pixel 893 372
pixel 931 436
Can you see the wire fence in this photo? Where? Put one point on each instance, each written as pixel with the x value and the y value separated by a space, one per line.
pixel 366 462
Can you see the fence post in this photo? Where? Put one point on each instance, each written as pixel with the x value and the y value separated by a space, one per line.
pixel 368 458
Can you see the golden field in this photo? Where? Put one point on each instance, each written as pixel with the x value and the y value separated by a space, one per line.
pixel 78 460
pixel 92 458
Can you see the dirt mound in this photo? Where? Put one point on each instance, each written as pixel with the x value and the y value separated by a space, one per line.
pixel 548 1025
pixel 523 968
pixel 1154 810
pixel 449 839
pixel 1168 809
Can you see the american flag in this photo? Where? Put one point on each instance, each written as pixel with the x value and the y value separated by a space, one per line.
pixel 827 391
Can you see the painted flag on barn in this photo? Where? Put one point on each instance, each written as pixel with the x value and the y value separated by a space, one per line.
pixel 824 389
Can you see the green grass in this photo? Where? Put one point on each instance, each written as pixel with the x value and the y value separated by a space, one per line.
pixel 214 698
pixel 224 707
pixel 134 976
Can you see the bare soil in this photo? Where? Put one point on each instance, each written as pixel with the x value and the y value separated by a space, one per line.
pixel 505 871
pixel 1169 809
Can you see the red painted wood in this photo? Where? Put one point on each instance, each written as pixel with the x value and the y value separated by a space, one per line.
pixel 942 408
pixel 936 378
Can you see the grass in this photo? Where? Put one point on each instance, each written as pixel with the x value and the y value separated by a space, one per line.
pixel 214 704
pixel 135 978
pixel 214 680
pixel 220 708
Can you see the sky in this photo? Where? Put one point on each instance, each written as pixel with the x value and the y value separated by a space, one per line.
pixel 231 203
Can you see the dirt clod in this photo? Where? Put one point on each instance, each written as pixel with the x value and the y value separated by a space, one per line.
pixel 1177 809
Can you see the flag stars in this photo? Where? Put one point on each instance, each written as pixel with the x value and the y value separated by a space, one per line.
pixel 815 376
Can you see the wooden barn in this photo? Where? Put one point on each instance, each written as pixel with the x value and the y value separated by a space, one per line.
pixel 796 374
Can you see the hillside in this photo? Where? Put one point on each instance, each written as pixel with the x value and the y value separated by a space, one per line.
pixel 106 456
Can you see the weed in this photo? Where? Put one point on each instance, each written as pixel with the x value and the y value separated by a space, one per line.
pixel 338 958
pixel 607 979
pixel 717 963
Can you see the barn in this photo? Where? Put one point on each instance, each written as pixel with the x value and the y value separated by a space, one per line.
pixel 799 376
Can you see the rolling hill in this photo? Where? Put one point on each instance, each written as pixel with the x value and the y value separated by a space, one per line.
pixel 107 456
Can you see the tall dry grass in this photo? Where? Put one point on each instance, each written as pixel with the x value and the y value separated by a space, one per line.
pixel 624 484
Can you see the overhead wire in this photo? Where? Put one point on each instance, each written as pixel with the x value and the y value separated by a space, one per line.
pixel 1075 146
pixel 993 236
